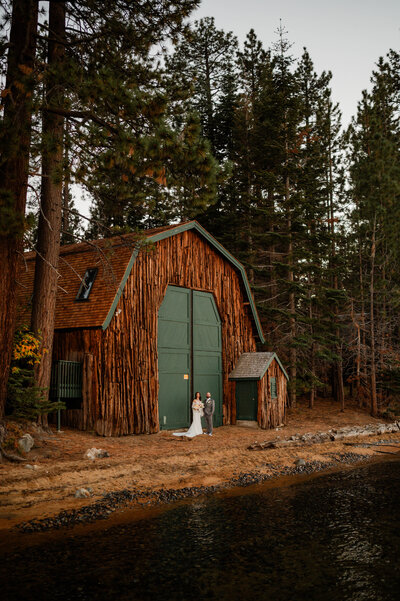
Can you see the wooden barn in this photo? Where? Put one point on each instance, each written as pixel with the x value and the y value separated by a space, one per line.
pixel 260 389
pixel 149 319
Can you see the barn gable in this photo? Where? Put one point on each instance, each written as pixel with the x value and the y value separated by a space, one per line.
pixel 173 231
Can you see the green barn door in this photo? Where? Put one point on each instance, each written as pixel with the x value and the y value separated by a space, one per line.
pixel 207 355
pixel 174 354
pixel 246 400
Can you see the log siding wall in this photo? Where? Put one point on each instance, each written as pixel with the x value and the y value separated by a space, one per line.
pixel 272 412
pixel 121 363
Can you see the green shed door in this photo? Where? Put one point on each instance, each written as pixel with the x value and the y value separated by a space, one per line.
pixel 174 358
pixel 207 350
pixel 246 400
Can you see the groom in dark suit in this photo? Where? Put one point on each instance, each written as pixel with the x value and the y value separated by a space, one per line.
pixel 209 408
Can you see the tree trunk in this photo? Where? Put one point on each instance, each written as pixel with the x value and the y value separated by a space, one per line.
pixel 14 165
pixel 209 110
pixel 358 355
pixel 311 400
pixel 65 218
pixel 48 245
pixel 292 306
pixel 338 388
pixel 312 358
pixel 383 330
pixel 339 374
pixel 363 354
pixel 270 226
pixel 374 401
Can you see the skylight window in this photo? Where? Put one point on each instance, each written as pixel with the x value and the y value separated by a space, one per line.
pixel 87 283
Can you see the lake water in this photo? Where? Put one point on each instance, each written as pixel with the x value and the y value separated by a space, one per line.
pixel 334 537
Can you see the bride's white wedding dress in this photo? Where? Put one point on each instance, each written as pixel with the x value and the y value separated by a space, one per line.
pixel 195 427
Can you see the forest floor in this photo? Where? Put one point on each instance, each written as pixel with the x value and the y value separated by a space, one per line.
pixel 161 461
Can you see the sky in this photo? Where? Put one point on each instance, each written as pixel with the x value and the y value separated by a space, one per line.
pixel 343 36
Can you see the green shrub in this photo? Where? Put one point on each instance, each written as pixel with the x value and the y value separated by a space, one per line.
pixel 24 399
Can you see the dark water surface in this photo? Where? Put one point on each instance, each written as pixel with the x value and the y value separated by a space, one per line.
pixel 335 537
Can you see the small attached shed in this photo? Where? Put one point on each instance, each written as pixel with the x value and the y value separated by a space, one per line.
pixel 261 389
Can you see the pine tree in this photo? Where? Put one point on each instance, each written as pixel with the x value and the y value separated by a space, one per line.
pixel 203 60
pixel 311 232
pixel 287 142
pixel 231 218
pixel 374 187
pixel 318 196
pixel 15 138
pixel 51 201
pixel 99 76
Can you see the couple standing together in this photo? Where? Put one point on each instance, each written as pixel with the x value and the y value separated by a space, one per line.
pixel 199 409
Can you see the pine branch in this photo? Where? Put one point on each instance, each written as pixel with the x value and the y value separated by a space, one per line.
pixel 83 114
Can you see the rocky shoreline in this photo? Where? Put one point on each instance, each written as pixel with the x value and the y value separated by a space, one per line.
pixel 112 501
pixel 66 481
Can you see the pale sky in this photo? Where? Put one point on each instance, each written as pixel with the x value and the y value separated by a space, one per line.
pixel 344 36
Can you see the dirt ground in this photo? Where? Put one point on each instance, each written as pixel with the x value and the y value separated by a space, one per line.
pixel 162 461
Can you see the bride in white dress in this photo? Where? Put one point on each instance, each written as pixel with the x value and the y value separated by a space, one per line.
pixel 195 427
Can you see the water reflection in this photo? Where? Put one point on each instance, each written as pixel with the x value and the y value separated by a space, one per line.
pixel 333 538
pixel 354 546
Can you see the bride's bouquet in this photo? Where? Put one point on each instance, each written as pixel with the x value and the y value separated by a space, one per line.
pixel 198 406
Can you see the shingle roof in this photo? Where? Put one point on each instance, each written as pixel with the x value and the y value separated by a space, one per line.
pixel 114 258
pixel 252 366
pixel 111 257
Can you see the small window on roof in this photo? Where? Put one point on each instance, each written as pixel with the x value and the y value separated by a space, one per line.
pixel 87 283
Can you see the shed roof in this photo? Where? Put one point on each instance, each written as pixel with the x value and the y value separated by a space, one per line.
pixel 252 366
pixel 114 258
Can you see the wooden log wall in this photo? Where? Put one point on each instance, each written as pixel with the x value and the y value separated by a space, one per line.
pixel 272 412
pixel 124 363
pixel 81 345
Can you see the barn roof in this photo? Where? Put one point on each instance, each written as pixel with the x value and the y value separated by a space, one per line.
pixel 114 259
pixel 252 366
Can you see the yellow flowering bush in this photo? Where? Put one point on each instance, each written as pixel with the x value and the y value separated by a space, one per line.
pixel 26 350
pixel 24 399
